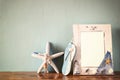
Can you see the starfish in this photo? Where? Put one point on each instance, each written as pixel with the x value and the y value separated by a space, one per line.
pixel 47 59
pixel 108 61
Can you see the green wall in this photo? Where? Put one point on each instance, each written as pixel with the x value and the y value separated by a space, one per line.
pixel 26 26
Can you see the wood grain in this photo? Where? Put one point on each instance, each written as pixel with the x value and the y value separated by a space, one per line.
pixel 52 76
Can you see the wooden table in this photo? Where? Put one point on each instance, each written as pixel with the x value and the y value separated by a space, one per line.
pixel 52 76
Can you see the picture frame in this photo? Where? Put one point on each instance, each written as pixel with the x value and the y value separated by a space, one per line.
pixel 94 46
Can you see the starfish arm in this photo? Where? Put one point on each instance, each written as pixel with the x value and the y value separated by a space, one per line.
pixel 40 68
pixel 47 48
pixel 56 55
pixel 54 66
pixel 40 56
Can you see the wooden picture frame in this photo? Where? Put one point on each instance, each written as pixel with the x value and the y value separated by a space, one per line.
pixel 93 42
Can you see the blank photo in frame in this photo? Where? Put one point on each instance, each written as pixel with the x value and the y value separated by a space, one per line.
pixel 94 49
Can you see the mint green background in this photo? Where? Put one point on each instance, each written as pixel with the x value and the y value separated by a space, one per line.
pixel 26 26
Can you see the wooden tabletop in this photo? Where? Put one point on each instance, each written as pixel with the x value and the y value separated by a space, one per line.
pixel 53 76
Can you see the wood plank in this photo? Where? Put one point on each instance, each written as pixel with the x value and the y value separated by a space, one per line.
pixel 52 76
